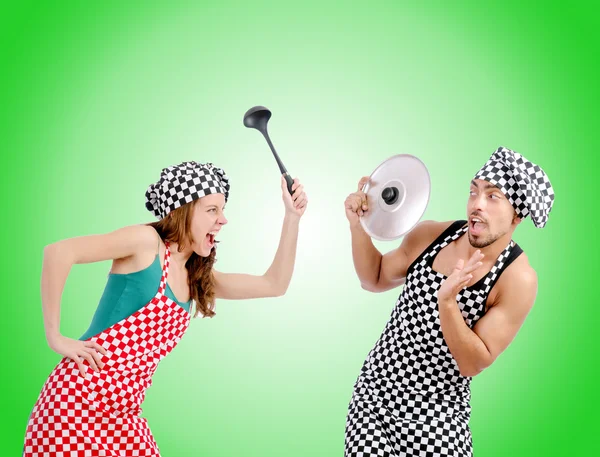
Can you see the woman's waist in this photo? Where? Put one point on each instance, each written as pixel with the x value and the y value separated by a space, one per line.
pixel 116 388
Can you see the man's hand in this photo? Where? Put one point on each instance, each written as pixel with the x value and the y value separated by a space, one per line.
pixel 460 277
pixel 356 203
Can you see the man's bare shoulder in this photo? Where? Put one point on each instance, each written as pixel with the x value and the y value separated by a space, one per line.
pixel 427 231
pixel 519 279
pixel 422 235
pixel 520 272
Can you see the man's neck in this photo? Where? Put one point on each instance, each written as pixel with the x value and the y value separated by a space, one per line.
pixel 491 251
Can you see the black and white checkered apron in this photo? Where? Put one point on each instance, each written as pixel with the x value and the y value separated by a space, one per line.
pixel 410 398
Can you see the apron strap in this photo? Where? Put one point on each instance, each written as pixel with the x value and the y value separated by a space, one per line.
pixel 165 270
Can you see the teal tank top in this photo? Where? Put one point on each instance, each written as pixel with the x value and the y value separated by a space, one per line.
pixel 125 294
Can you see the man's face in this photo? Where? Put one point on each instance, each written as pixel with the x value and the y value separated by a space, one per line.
pixel 490 214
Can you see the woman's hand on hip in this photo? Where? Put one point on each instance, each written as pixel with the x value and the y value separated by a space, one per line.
pixel 78 351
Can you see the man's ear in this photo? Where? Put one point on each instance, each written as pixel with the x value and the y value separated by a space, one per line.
pixel 516 219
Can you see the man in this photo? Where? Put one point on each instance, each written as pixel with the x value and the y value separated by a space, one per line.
pixel 464 299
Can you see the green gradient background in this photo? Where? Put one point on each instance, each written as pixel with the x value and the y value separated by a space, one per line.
pixel 97 100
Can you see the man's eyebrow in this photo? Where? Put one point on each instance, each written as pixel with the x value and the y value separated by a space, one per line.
pixel 486 186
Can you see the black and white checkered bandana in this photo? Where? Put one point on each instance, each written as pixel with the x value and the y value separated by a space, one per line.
pixel 183 183
pixel 523 183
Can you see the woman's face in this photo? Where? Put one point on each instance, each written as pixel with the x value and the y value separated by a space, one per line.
pixel 207 220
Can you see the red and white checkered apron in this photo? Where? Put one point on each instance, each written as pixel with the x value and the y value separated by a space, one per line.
pixel 100 415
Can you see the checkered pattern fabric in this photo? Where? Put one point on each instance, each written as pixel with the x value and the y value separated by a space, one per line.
pixel 184 183
pixel 410 398
pixel 99 415
pixel 525 184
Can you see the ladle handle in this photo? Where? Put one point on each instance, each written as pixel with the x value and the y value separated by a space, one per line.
pixel 288 178
pixel 289 181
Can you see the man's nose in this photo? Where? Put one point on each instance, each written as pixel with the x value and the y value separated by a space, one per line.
pixel 479 203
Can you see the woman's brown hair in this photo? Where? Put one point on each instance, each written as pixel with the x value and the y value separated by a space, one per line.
pixel 176 228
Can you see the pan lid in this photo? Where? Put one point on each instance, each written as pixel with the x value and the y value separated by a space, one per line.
pixel 397 196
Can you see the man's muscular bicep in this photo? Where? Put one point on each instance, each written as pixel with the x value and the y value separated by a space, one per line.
pixel 501 323
pixel 392 272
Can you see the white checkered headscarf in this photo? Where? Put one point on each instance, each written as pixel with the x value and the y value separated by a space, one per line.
pixel 184 183
pixel 524 184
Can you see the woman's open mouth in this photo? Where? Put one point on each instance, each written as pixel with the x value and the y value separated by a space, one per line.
pixel 210 239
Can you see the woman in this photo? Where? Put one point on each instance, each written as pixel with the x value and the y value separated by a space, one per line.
pixel 90 404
